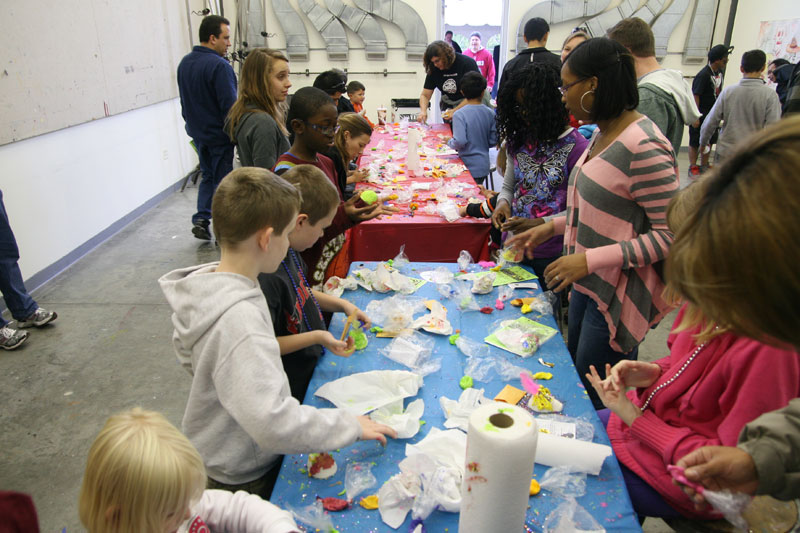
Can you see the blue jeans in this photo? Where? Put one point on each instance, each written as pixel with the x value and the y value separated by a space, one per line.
pixel 215 163
pixel 588 339
pixel 17 299
pixel 645 499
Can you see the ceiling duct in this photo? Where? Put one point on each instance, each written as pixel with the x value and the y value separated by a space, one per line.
pixel 293 30
pixel 556 11
pixel 329 28
pixel 404 16
pixel 363 24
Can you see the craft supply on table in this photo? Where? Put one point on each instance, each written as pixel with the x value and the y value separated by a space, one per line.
pixel 521 336
pixel 581 456
pixel 501 445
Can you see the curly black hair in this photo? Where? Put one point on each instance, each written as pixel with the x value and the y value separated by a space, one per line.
pixel 541 116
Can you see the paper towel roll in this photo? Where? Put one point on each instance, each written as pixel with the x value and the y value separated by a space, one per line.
pixel 501 445
pixel 412 159
pixel 579 455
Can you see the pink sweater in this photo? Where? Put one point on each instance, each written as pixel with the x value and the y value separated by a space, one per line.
pixel 485 61
pixel 730 382
pixel 616 214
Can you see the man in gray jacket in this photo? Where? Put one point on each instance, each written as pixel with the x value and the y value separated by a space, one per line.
pixel 745 107
pixel 664 96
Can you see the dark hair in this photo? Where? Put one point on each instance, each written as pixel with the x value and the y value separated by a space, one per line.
pixel 211 25
pixel 472 85
pixel 448 31
pixel 612 65
pixel 635 35
pixel 475 34
pixel 753 61
pixel 355 86
pixel 779 62
pixel 439 49
pixel 535 29
pixel 541 116
pixel 331 81
pixel 307 102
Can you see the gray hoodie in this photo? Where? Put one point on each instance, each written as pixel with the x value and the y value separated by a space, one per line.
pixel 666 98
pixel 240 414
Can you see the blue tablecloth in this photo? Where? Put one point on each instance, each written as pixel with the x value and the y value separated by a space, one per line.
pixel 606 498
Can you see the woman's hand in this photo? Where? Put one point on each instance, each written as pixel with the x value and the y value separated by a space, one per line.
pixel 520 224
pixel 341 348
pixel 422 118
pixel 360 214
pixel 530 239
pixel 502 211
pixel 349 309
pixel 612 396
pixel 371 430
pixel 629 373
pixel 565 270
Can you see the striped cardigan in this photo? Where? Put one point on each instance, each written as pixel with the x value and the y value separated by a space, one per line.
pixel 616 214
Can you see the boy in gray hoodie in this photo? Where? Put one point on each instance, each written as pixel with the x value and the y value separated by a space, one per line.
pixel 240 414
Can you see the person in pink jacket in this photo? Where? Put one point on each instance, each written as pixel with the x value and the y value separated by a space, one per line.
pixel 712 383
pixel 483 58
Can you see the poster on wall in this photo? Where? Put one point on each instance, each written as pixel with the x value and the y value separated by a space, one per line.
pixel 780 39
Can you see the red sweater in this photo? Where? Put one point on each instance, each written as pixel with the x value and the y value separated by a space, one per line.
pixel 732 381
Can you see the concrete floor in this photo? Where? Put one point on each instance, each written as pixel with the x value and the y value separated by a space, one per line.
pixel 108 351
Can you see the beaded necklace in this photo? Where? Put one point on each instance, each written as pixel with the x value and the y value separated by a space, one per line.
pixel 297 289
pixel 673 378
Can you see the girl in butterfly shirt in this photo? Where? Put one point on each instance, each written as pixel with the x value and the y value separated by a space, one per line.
pixel 542 149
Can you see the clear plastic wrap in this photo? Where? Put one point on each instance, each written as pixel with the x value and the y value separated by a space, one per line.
pixel 439 275
pixel 465 298
pixel 464 260
pixel 472 348
pixel 401 259
pixel 563 482
pixel 570 517
pixel 335 286
pixel 313 515
pixel 448 210
pixel 413 350
pixel 446 290
pixel 484 284
pixel 395 313
pixel 357 478
pixel 522 336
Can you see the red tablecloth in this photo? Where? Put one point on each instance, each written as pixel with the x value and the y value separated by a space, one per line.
pixel 426 237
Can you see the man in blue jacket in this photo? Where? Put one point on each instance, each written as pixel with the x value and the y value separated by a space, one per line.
pixel 207 88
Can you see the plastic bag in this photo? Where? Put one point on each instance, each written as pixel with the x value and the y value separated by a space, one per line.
pixel 390 279
pixel 401 259
pixel 483 368
pixel 446 290
pixel 570 517
pixel 510 254
pixel 357 478
pixel 440 275
pixel 336 286
pixel 448 210
pixel 395 313
pixel 465 298
pixel 730 504
pixel 563 482
pixel 313 515
pixel 472 348
pixel 484 283
pixel 464 260
pixel 413 350
pixel 522 336
pixel 584 430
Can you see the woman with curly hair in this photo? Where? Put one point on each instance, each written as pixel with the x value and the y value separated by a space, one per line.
pixel 541 151
pixel 444 69
pixel 615 229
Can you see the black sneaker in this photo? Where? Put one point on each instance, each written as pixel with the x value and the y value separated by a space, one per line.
pixel 200 230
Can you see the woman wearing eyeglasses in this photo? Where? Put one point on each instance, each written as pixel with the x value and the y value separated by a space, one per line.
pixel 444 69
pixel 256 122
pixel 615 230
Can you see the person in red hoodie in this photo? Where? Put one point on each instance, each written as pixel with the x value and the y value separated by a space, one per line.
pixel 712 383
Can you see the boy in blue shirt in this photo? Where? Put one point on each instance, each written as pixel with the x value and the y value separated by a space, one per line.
pixel 474 129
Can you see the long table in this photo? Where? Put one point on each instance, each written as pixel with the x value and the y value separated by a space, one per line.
pixel 434 239
pixel 606 498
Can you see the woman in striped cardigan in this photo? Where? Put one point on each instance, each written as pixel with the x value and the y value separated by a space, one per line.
pixel 615 229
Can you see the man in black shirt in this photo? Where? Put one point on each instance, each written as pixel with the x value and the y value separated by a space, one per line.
pixel 536 32
pixel 706 87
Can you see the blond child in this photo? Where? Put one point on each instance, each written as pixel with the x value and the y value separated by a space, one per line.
pixel 143 475
pixel 240 414
pixel 295 307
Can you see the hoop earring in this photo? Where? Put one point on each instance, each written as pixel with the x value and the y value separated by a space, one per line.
pixel 591 91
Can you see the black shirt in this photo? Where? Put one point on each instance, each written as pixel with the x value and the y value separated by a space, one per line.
pixel 289 311
pixel 540 54
pixel 449 80
pixel 456 47
pixel 705 87
pixel 344 105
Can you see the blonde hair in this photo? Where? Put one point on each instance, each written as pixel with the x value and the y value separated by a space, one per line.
pixel 354 124
pixel 249 199
pixel 744 224
pixel 255 91
pixel 573 35
pixel 319 195
pixel 140 470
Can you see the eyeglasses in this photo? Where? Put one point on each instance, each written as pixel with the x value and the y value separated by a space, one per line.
pixel 325 130
pixel 564 88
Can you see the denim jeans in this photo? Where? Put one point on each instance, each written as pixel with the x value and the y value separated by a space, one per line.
pixel 17 299
pixel 215 163
pixel 588 339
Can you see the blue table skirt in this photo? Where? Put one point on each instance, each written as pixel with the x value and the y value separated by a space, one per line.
pixel 606 498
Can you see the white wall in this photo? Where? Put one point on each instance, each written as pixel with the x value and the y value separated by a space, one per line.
pixel 63 188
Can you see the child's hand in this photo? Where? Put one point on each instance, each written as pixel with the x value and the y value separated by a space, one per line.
pixel 613 396
pixel 371 430
pixel 628 373
pixel 343 348
pixel 361 174
pixel 501 213
pixel 350 309
pixel 487 193
pixel 462 211
pixel 519 224
pixel 360 214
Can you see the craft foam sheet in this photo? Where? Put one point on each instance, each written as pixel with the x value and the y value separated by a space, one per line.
pixel 366 391
pixel 501 445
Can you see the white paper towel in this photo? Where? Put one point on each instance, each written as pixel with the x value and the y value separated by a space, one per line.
pixel 501 445
pixel 412 159
pixel 579 455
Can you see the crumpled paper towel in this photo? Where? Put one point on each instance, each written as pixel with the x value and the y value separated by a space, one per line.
pixel 406 423
pixel 366 391
pixel 396 497
pixel 457 412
